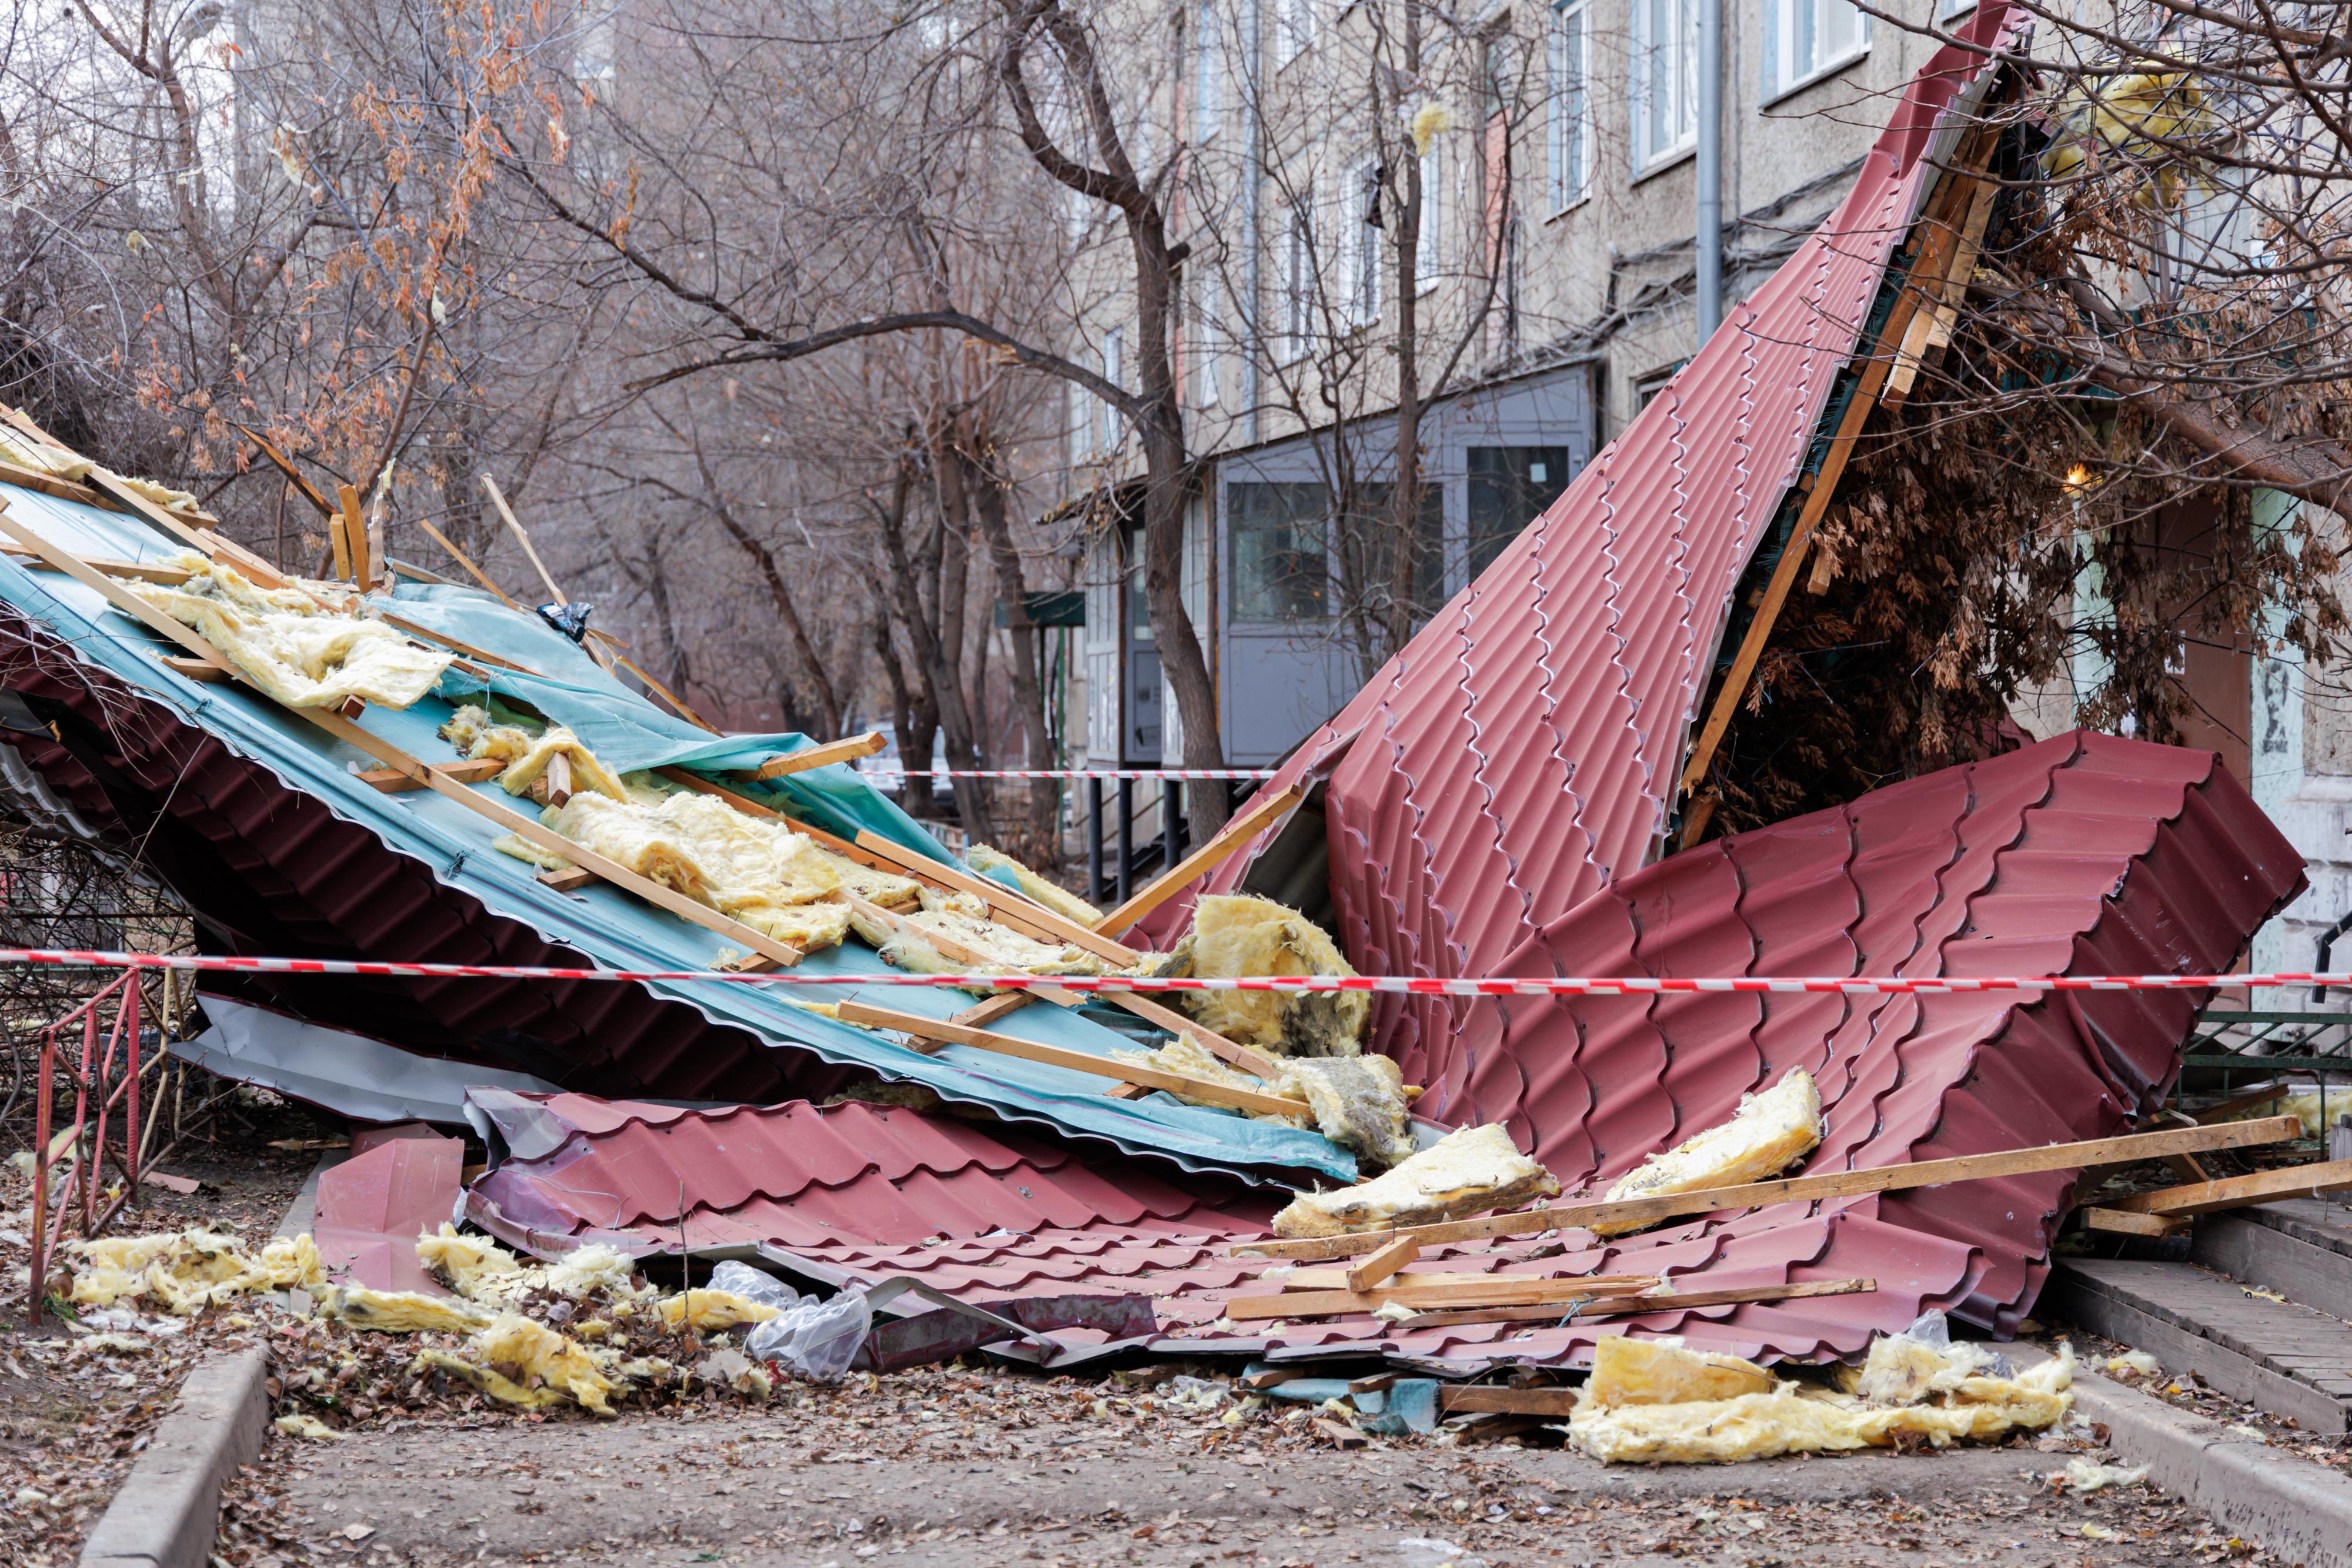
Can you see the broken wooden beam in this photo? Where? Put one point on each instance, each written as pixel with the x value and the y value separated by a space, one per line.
pixel 1803 1188
pixel 846 749
pixel 393 781
pixel 1497 1290
pixel 1228 840
pixel 1456 1400
pixel 137 570
pixel 559 779
pixel 571 879
pixel 1005 904
pixel 1638 1305
pixel 1148 1077
pixel 1379 1265
pixel 209 670
pixel 2123 1222
pixel 2238 1192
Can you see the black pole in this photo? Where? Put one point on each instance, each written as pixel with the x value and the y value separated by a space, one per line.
pixel 1171 822
pixel 1094 837
pixel 1126 852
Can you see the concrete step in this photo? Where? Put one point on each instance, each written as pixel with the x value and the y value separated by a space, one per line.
pixel 2301 1249
pixel 2282 1357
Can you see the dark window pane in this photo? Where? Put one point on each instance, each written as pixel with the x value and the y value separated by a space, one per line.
pixel 1279 572
pixel 1510 486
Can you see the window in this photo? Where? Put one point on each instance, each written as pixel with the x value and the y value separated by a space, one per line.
pixel 1082 423
pixel 1572 48
pixel 1294 30
pixel 1429 253
pixel 1364 246
pixel 1807 39
pixel 1208 75
pixel 1298 278
pixel 1510 486
pixel 1951 10
pixel 1665 102
pixel 1208 323
pixel 1278 571
pixel 1114 352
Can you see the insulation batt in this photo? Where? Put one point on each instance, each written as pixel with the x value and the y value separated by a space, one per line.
pixel 985 860
pixel 1237 935
pixel 712 1310
pixel 1469 1171
pixel 476 737
pixel 184 1271
pixel 1632 1411
pixel 1358 1100
pixel 481 1271
pixel 292 647
pixel 402 1312
pixel 1769 1133
pixel 22 450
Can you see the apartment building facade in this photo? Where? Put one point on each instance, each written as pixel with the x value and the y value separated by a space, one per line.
pixel 1551 151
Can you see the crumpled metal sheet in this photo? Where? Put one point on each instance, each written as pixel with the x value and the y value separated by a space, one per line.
pixel 2085 855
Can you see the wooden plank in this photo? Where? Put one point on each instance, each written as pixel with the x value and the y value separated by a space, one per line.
pixel 187 531
pixel 1231 1052
pixel 1803 1188
pixel 1338 1434
pixel 1126 1092
pixel 2278 1089
pixel 465 561
pixel 1016 909
pixel 51 485
pixel 1379 1265
pixel 427 634
pixel 1077 1061
pixel 678 705
pixel 559 779
pixel 1271 1377
pixel 1501 1290
pixel 1872 378
pixel 989 1010
pixel 1336 1279
pixel 309 491
pixel 573 880
pixel 2238 1192
pixel 203 670
pixel 1378 1383
pixel 2123 1222
pixel 515 528
pixel 1638 1306
pixel 343 526
pixel 1253 820
pixel 846 749
pixel 136 571
pixel 473 771
pixel 1555 1401
pixel 529 828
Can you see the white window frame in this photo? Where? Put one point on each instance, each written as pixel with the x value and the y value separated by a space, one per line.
pixel 1294 29
pixel 1570 129
pixel 1114 371
pixel 1429 255
pixel 1363 236
pixel 1208 73
pixel 1782 22
pixel 1663 91
pixel 1082 423
pixel 1296 278
pixel 1206 321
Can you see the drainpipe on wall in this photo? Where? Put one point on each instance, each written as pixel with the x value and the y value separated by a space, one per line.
pixel 1708 235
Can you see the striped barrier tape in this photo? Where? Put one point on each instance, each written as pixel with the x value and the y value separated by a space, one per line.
pixel 1069 772
pixel 1408 985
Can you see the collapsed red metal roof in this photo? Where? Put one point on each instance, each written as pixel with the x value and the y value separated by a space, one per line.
pixel 2085 854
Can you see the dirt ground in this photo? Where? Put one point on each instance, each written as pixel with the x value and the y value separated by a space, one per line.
pixel 71 1420
pixel 950 1469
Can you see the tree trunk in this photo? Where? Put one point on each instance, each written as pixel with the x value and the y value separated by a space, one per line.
pixel 943 694
pixel 1028 697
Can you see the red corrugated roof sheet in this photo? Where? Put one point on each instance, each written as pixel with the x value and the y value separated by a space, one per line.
pixel 2083 854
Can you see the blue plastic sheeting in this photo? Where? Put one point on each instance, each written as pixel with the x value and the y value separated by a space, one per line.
pixel 612 927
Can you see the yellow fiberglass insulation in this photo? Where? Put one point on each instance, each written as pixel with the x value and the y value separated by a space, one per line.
pixel 184 1271
pixel 1621 1418
pixel 1767 1134
pixel 532 1357
pixel 712 1310
pixel 1069 904
pixel 1469 1171
pixel 1358 1100
pixel 472 733
pixel 22 450
pixel 402 1312
pixel 475 1267
pixel 295 649
pixel 1002 949
pixel 1238 934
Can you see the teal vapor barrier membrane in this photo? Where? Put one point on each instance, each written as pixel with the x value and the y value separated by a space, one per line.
pixel 611 928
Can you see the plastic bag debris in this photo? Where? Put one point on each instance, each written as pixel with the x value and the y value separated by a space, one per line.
pixel 738 1278
pixel 816 1339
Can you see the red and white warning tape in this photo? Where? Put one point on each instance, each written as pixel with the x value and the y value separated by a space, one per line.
pixel 1069 772
pixel 1549 986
